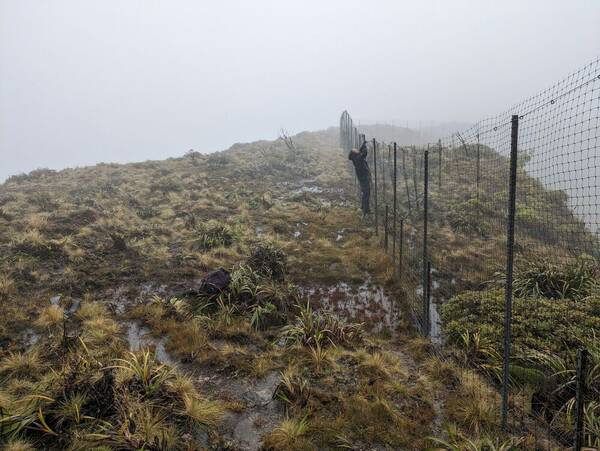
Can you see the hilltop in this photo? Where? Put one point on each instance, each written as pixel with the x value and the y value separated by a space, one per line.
pixel 108 339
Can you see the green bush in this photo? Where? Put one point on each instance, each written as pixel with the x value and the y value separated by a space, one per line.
pixel 539 324
pixel 471 217
pixel 574 280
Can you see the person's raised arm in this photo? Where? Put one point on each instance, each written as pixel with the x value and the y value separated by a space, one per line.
pixel 364 150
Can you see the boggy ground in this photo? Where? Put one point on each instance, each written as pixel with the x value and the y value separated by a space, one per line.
pixel 104 344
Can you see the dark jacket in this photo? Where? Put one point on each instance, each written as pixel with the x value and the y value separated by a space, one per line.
pixel 360 163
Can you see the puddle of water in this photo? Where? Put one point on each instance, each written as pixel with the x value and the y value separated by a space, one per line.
pixel 435 323
pixel 435 331
pixel 307 189
pixel 297 234
pixel 54 300
pixel 366 303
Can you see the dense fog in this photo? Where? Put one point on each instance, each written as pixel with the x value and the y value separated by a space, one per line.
pixel 84 82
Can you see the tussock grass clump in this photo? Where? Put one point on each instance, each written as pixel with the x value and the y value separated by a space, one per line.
pixel 18 445
pixel 289 435
pixel 50 317
pixel 101 333
pixel 475 406
pixel 166 185
pixel 312 328
pixel 21 365
pixel 214 234
pixel 189 338
pixel 143 369
pixel 375 420
pixel 35 244
pixel 83 403
pixel 203 411
pixel 374 367
pixel 7 286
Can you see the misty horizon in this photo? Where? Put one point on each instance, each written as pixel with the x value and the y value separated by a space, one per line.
pixel 121 82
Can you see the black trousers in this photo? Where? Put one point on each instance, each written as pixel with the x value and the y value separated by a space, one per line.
pixel 365 187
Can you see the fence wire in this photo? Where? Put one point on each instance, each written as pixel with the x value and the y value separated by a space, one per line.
pixel 449 235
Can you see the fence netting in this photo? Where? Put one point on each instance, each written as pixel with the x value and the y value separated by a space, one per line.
pixel 443 209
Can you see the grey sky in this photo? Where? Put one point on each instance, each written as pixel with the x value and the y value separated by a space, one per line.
pixel 125 80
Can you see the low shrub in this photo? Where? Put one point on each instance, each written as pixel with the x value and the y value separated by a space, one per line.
pixel 268 260
pixel 539 324
pixel 541 279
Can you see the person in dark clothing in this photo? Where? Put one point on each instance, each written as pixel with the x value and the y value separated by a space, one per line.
pixel 359 158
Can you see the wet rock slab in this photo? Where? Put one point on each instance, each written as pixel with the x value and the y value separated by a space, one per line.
pixel 244 430
pixel 139 337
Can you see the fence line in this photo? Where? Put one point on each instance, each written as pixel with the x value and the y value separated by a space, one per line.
pixel 511 226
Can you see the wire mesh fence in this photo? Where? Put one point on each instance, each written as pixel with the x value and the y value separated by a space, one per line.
pixel 496 229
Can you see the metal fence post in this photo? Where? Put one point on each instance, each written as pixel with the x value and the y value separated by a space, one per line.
pixel 401 248
pixel 382 162
pixel 510 241
pixel 385 234
pixel 478 166
pixel 404 172
pixel 425 223
pixel 582 357
pixel 375 169
pixel 427 300
pixel 440 165
pixel 415 177
pixel 353 144
pixel 395 211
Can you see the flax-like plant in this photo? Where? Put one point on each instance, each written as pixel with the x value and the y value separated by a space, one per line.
pixel 311 327
pixel 293 389
pixel 478 351
pixel 260 315
pixel 144 367
pixel 319 357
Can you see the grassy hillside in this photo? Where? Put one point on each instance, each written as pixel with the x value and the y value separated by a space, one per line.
pixel 107 342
